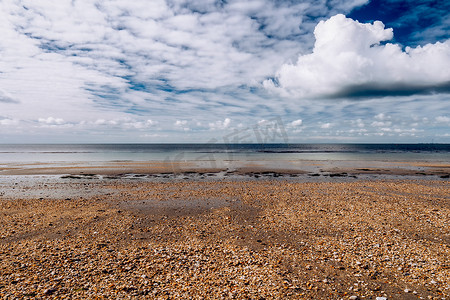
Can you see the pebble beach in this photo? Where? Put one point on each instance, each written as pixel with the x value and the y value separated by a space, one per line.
pixel 224 239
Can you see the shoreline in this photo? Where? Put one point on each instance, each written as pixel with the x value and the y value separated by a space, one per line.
pixel 229 168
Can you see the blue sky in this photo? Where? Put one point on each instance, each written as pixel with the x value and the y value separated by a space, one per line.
pixel 197 71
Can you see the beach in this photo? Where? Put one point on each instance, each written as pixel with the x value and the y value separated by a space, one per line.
pixel 343 232
pixel 215 149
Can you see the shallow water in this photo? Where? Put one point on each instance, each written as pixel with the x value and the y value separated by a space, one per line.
pixel 223 152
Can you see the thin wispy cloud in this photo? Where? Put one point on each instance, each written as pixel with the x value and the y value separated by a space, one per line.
pixel 6 97
pixel 419 23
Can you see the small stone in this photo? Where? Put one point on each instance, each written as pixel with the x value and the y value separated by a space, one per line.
pixel 381 298
pixel 308 267
pixel 433 282
pixel 353 298
pixel 49 291
pixel 325 280
pixel 407 290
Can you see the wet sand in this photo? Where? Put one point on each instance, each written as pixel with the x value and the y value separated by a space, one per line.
pixel 220 169
pixel 168 234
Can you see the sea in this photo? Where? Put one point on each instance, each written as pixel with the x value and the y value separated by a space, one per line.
pixel 66 153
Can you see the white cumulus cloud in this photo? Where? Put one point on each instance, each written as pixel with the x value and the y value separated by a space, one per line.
pixel 220 124
pixel 443 119
pixel 296 123
pixel 349 59
pixel 8 122
pixel 51 121
pixel 180 122
pixel 380 124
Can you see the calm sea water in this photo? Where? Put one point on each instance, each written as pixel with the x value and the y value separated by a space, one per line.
pixel 198 152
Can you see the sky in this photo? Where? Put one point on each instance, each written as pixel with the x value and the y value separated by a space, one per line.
pixel 203 71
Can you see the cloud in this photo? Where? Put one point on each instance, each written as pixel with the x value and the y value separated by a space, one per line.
pixel 180 122
pixel 8 122
pixel 154 135
pixel 51 121
pixel 296 123
pixel 358 123
pixel 414 15
pixel 442 119
pixel 104 122
pixel 139 124
pixel 6 97
pixel 220 125
pixel 351 60
pixel 121 57
pixel 381 117
pixel 125 123
pixel 119 71
pixel 415 23
pixel 295 126
pixel 380 124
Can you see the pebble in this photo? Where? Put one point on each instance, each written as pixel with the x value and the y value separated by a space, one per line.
pixel 49 291
pixel 148 254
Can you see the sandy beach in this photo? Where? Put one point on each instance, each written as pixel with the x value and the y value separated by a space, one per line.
pixel 215 149
pixel 199 236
